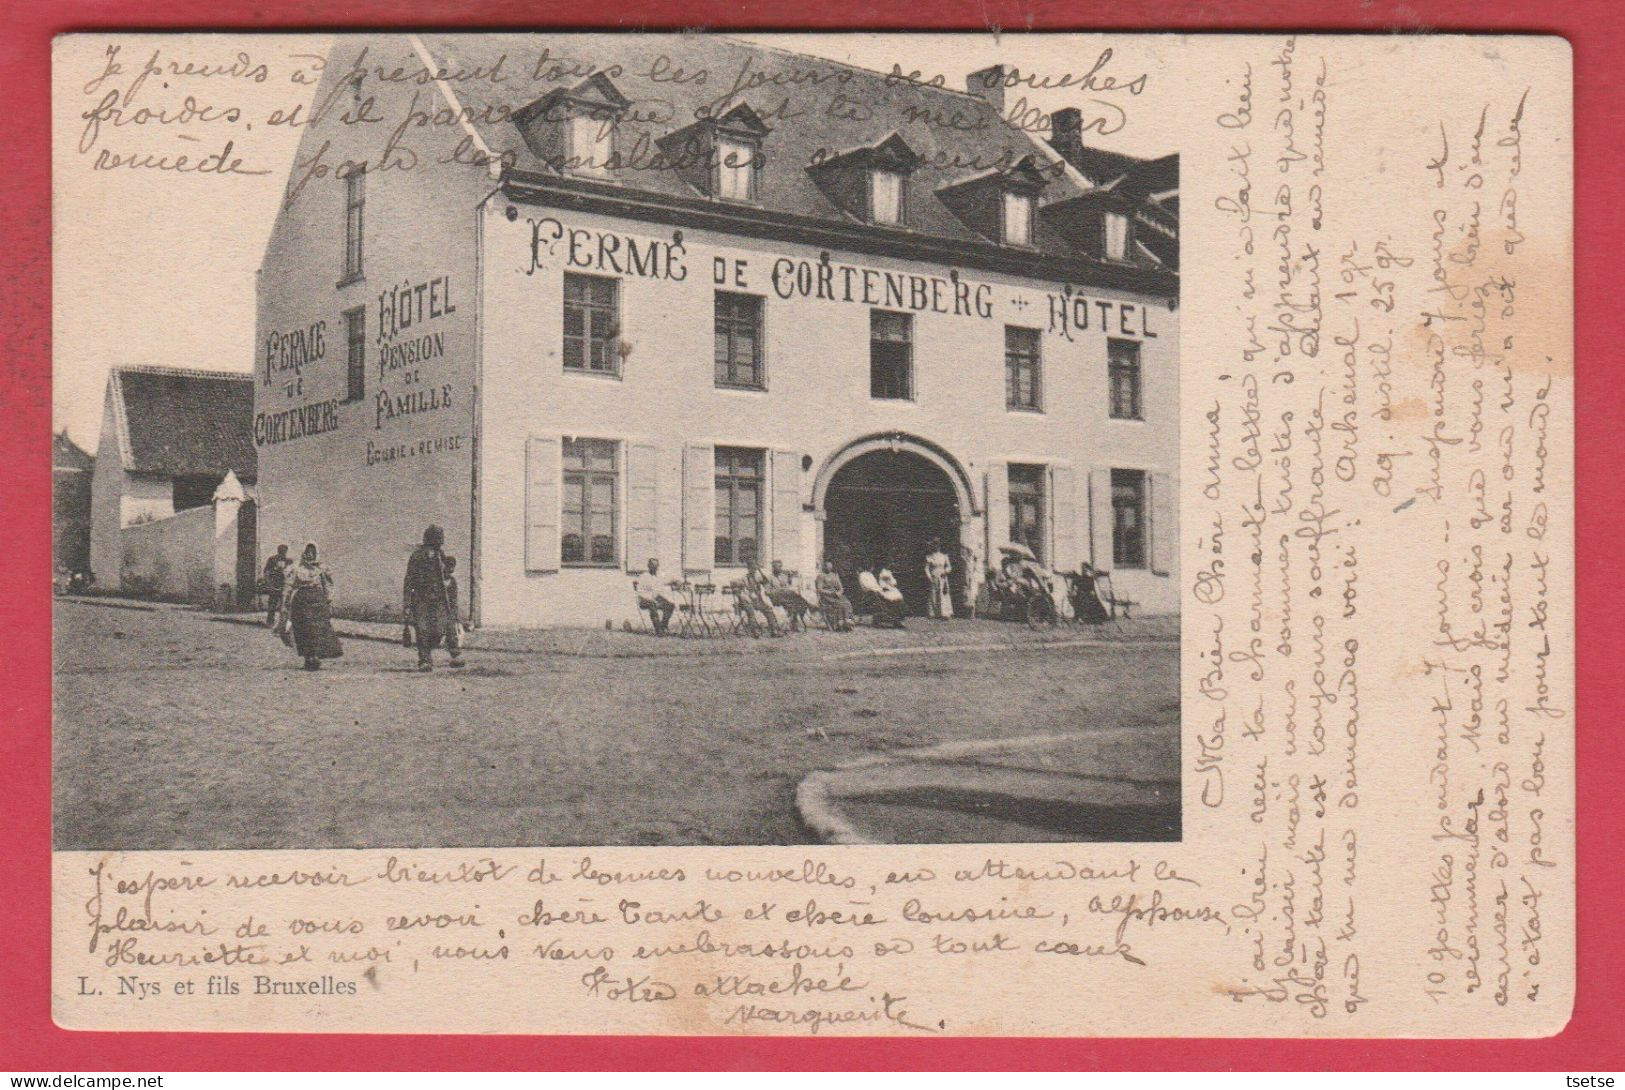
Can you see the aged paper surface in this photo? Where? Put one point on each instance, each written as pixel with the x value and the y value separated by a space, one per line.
pixel 1370 600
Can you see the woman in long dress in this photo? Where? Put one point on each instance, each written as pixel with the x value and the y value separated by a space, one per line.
pixel 306 612
pixel 938 567
pixel 832 598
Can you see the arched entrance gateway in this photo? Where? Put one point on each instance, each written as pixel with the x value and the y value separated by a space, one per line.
pixel 881 501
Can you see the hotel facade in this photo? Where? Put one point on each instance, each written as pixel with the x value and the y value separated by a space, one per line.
pixel 585 307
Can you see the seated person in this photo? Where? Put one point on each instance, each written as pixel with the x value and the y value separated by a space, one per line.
pixel 782 592
pixel 756 598
pixel 890 614
pixel 650 600
pixel 832 598
pixel 1086 604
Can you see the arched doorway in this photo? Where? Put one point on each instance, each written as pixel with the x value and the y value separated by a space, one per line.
pixel 885 508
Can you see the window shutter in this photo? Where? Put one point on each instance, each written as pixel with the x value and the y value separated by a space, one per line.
pixel 699 504
pixel 669 508
pixel 641 507
pixel 1164 520
pixel 1064 551
pixel 1100 519
pixel 542 504
pixel 998 511
pixel 787 508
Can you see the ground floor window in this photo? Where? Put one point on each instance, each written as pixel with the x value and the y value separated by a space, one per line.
pixel 739 507
pixel 588 535
pixel 1027 508
pixel 1128 518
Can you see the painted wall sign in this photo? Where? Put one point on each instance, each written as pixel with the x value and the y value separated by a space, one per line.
pixel 1069 311
pixel 618 254
pixel 289 353
pixel 605 251
pixel 405 341
pixel 281 427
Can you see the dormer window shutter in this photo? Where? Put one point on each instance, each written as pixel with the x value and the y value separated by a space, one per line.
pixel 1018 218
pixel 886 197
pixel 1115 235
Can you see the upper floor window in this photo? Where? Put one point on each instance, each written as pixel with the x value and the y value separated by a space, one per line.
pixel 355 357
pixel 1023 376
pixel 1123 367
pixel 1128 518
pixel 886 200
pixel 590 504
pixel 738 507
pixel 355 203
pixel 592 321
pixel 739 340
pixel 736 169
pixel 1116 236
pixel 1018 218
pixel 891 355
pixel 1027 508
pixel 591 141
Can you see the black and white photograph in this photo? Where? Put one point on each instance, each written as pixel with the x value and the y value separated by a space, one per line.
pixel 618 439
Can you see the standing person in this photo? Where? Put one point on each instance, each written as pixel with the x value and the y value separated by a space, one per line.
pixel 832 598
pixel 937 569
pixel 454 630
pixel 650 600
pixel 276 580
pixel 306 612
pixel 427 607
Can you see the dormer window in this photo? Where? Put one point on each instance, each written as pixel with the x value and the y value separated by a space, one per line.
pixel 736 169
pixel 591 144
pixel 1000 204
pixel 1115 236
pixel 720 156
pixel 1018 219
pixel 885 197
pixel 869 183
pixel 573 131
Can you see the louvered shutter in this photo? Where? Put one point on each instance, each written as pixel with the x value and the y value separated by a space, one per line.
pixel 641 506
pixel 1164 524
pixel 1064 550
pixel 699 505
pixel 787 508
pixel 542 504
pixel 1100 518
pixel 998 510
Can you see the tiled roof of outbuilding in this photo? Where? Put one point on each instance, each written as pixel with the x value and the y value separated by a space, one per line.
pixel 175 422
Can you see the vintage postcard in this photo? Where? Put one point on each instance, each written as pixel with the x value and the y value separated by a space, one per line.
pixel 814 534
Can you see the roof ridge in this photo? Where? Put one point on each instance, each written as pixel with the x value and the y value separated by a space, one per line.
pixel 184 372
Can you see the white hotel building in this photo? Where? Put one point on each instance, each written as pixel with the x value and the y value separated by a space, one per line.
pixel 582 312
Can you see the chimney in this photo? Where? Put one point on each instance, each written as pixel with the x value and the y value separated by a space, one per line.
pixel 988 84
pixel 1066 133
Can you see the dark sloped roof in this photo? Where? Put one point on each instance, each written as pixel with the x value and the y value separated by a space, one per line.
pixel 956 135
pixel 66 454
pixel 186 423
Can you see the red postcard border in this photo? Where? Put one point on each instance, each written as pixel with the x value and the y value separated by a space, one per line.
pixel 1594 1039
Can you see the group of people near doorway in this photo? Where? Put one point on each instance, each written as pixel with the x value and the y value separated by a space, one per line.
pixel 762 595
pixel 299 608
